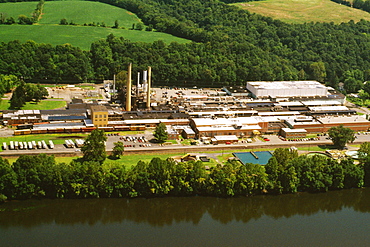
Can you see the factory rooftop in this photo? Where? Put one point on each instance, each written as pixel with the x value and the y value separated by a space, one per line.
pixel 286 84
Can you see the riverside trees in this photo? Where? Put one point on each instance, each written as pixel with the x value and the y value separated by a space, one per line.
pixel 40 176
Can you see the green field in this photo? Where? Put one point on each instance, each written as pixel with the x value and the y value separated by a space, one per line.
pixel 16 9
pixel 86 12
pixel 42 105
pixel 77 35
pixel 301 11
pixel 49 31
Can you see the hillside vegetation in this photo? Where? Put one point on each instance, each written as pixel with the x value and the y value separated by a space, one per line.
pixel 80 13
pixel 301 11
pixel 231 46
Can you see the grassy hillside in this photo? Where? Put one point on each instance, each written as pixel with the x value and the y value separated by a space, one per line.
pixel 80 12
pixel 77 35
pixel 300 11
pixel 16 9
pixel 87 12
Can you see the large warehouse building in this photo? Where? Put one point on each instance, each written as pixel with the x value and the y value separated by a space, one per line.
pixel 281 89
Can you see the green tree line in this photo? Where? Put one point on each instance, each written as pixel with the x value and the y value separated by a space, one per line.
pixel 40 176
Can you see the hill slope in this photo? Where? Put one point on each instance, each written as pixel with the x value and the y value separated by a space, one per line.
pixel 87 12
pixel 301 11
pixel 49 31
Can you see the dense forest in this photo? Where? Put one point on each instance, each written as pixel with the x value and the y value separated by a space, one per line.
pixel 230 46
pixel 286 172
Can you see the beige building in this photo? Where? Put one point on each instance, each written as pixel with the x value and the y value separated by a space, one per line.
pixel 99 116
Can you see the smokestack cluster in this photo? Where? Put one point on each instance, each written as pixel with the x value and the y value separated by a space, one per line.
pixel 146 86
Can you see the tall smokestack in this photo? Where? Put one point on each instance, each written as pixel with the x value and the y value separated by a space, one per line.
pixel 114 87
pixel 128 88
pixel 138 84
pixel 149 87
pixel 145 81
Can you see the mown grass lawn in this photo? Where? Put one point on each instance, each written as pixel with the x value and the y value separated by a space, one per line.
pixel 42 105
pixel 301 11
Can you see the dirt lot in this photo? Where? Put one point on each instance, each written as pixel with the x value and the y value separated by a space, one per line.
pixel 67 93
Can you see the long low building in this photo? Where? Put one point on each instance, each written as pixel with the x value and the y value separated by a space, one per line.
pixel 208 127
pixel 323 123
pixel 276 89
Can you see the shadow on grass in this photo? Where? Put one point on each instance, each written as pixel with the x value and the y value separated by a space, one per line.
pixel 111 157
pixel 325 147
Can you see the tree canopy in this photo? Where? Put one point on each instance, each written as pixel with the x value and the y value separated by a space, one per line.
pixel 40 176
pixel 118 150
pixel 341 136
pixel 160 133
pixel 94 147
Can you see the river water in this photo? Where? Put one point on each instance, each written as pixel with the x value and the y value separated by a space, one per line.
pixel 336 218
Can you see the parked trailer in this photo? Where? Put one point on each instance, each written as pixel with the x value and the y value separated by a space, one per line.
pixel 11 145
pixel 16 145
pixel 44 146
pixel 20 145
pixel 25 145
pixel 51 144
pixel 34 145
pixel 4 145
pixel 30 146
pixel 79 143
pixel 39 145
pixel 72 144
pixel 69 143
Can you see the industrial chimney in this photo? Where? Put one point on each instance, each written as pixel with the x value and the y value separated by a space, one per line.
pixel 149 87
pixel 138 84
pixel 128 88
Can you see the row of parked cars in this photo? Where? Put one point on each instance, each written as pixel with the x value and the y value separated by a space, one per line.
pixel 140 145
pixel 134 139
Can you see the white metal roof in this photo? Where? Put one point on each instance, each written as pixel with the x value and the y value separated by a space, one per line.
pixel 287 130
pixel 328 108
pixel 290 103
pixel 285 84
pixel 321 103
pixel 343 119
pixel 229 128
pixel 226 138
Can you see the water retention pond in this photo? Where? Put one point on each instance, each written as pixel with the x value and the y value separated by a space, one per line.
pixel 336 218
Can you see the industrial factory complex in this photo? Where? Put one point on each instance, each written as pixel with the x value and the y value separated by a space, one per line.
pixel 291 109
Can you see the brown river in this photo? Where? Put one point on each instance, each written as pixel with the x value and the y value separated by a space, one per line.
pixel 336 218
